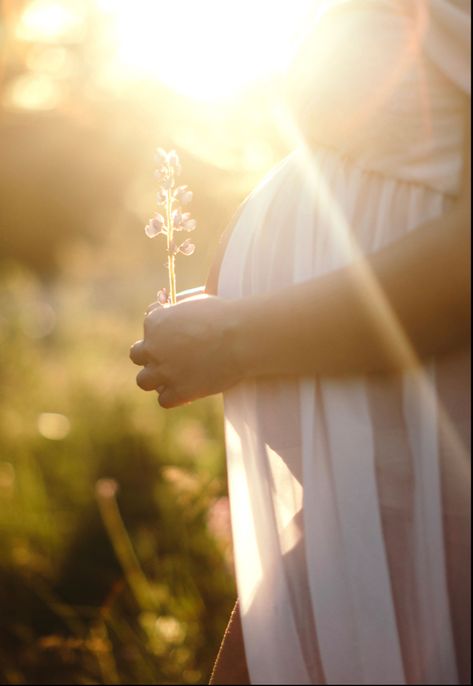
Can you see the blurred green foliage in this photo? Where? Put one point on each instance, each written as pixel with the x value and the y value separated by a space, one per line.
pixel 70 416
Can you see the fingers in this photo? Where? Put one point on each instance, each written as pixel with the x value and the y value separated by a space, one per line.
pixel 138 353
pixel 168 399
pixel 148 378
pixel 156 305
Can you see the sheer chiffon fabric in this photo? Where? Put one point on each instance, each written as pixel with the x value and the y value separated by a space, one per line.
pixel 350 496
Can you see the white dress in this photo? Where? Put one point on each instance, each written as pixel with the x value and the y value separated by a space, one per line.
pixel 350 497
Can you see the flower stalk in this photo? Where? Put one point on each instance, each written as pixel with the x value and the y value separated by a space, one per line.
pixel 171 199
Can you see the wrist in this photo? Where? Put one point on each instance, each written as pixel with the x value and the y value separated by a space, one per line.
pixel 242 336
pixel 232 338
pixel 236 338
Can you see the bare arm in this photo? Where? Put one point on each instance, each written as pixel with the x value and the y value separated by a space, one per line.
pixel 409 301
pixel 381 313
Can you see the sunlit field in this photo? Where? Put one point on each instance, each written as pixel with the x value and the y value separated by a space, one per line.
pixel 115 552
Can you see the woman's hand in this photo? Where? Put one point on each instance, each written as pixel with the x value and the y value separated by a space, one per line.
pixel 186 352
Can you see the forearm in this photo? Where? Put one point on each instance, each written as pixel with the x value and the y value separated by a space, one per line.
pixel 381 313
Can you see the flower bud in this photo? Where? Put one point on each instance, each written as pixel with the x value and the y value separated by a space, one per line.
pixel 187 248
pixel 161 157
pixel 189 225
pixel 161 196
pixel 161 174
pixel 176 218
pixel 155 226
pixel 167 182
pixel 173 160
pixel 162 296
pixel 183 195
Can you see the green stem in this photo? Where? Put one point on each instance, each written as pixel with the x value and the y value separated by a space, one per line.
pixel 171 256
pixel 172 279
pixel 124 551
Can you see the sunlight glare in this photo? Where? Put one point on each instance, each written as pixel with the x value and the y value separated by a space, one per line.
pixel 390 328
pixel 205 49
pixel 49 21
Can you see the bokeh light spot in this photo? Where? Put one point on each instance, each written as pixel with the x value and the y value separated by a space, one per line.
pixel 51 21
pixel 32 92
pixel 53 425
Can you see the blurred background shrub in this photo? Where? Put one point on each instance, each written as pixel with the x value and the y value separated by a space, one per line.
pixel 114 566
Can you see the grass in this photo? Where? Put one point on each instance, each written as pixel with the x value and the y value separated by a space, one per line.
pixel 97 584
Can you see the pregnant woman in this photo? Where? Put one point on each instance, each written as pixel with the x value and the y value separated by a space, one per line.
pixel 339 334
